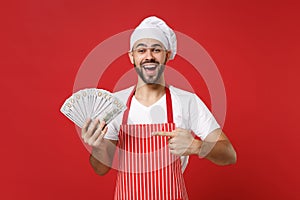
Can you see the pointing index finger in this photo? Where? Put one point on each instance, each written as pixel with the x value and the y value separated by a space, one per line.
pixel 164 133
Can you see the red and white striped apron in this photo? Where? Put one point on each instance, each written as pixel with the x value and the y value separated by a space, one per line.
pixel 147 170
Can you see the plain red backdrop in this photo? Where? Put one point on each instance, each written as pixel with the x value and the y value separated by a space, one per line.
pixel 254 44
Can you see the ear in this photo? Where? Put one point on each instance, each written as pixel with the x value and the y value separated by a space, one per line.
pixel 168 55
pixel 130 57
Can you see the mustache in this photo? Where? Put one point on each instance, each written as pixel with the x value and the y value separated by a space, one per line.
pixel 150 61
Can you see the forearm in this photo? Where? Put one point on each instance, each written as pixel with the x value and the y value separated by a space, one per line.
pixel 102 157
pixel 220 152
pixel 216 147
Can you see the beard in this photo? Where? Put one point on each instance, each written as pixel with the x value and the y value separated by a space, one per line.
pixel 149 79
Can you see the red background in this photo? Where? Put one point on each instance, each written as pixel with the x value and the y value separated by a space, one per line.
pixel 254 44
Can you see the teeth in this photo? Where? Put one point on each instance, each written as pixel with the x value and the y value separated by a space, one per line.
pixel 151 67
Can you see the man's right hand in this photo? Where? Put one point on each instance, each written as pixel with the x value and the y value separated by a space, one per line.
pixel 103 150
pixel 92 132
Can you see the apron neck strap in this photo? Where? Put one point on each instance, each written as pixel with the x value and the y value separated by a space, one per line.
pixel 168 106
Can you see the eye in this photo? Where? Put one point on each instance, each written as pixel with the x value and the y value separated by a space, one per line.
pixel 157 50
pixel 141 50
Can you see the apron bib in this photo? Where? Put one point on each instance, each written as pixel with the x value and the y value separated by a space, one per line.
pixel 147 170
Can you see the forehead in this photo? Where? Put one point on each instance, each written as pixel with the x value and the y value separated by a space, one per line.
pixel 147 42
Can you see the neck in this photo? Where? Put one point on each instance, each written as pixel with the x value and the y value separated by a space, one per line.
pixel 148 94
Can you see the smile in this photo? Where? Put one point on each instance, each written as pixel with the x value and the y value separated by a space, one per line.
pixel 150 67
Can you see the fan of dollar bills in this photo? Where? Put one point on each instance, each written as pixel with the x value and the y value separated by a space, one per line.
pixel 92 103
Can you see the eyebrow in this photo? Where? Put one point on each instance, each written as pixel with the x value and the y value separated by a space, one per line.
pixel 156 45
pixel 144 45
pixel 141 44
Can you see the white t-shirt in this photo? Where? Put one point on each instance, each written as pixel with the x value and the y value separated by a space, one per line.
pixel 189 112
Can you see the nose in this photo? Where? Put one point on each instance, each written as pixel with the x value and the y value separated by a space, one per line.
pixel 149 54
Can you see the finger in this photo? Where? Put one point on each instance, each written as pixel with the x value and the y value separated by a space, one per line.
pixel 85 127
pixel 162 133
pixel 102 125
pixel 96 124
pixel 105 130
pixel 95 136
pixel 171 141
pixel 92 128
pixel 174 152
pixel 179 129
pixel 101 136
pixel 98 134
pixel 171 146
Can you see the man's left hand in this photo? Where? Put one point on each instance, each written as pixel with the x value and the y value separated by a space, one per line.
pixel 181 142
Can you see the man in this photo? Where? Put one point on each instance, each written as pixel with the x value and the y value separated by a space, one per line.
pixel 154 135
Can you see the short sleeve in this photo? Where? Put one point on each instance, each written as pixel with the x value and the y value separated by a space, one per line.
pixel 112 131
pixel 202 122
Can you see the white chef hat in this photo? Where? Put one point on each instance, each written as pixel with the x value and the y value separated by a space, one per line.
pixel 155 28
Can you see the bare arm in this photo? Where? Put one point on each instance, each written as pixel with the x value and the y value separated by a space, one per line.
pixel 101 158
pixel 103 150
pixel 217 148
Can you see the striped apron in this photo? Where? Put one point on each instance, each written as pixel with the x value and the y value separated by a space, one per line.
pixel 147 170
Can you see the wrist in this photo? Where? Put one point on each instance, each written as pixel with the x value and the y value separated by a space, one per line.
pixel 196 146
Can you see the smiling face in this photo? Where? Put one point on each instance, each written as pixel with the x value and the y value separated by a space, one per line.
pixel 149 58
